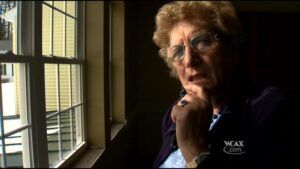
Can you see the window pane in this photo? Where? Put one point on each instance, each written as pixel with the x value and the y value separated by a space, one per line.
pixel 74 126
pixel 8 27
pixel 71 7
pixel 14 96
pixel 78 125
pixel 46 30
pixel 1 162
pixel 51 87
pixel 76 84
pixel 64 86
pixel 49 2
pixel 66 131
pixel 58 34
pixel 60 5
pixel 70 37
pixel 16 147
pixel 53 140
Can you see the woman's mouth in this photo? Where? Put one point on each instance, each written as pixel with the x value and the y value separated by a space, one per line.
pixel 198 78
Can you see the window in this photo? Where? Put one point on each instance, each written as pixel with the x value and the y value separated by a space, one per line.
pixel 62 79
pixel 116 66
pixel 3 69
pixel 41 96
pixel 6 8
pixel 105 71
pixel 14 124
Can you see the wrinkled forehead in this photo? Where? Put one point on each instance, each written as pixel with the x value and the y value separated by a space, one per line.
pixel 184 30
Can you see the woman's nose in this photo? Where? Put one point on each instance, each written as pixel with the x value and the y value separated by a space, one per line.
pixel 191 58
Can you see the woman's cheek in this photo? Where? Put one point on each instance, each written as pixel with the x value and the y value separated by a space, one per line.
pixel 181 74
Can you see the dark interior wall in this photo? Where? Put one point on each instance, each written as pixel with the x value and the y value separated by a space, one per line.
pixel 146 72
pixel 273 47
pixel 149 88
pixel 279 52
pixel 271 54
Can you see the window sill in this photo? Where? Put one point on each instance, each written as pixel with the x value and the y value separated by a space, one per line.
pixel 70 157
pixel 90 155
pixel 115 129
pixel 88 158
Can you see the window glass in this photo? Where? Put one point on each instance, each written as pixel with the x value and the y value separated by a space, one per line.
pixel 76 85
pixel 16 146
pixel 78 125
pixel 67 120
pixel 15 135
pixel 61 85
pixel 64 86
pixel 14 149
pixel 71 7
pixel 51 87
pixel 8 26
pixel 60 5
pixel 58 34
pixel 53 140
pixel 47 31
pixel 49 2
pixel 14 103
pixel 70 37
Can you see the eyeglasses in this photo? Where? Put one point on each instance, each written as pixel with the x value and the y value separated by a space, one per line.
pixel 200 43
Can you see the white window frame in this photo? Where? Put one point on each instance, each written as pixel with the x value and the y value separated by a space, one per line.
pixel 26 127
pixel 30 49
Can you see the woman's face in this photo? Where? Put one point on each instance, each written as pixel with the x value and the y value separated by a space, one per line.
pixel 204 66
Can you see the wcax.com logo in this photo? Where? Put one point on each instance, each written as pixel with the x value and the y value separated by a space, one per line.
pixel 234 147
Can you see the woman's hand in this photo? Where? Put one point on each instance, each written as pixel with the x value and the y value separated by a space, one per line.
pixel 192 121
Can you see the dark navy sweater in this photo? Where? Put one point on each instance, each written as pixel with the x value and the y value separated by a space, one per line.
pixel 256 131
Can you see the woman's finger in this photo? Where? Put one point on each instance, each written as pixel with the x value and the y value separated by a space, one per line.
pixel 198 91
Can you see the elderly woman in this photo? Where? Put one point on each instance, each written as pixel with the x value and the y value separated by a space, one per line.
pixel 216 122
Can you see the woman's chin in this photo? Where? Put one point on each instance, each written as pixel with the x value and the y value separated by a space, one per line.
pixel 203 82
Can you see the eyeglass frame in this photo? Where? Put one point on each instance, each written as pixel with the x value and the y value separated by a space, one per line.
pixel 213 36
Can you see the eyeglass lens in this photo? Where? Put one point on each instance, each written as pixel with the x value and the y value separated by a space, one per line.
pixel 200 43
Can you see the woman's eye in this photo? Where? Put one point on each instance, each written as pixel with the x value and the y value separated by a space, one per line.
pixel 178 52
pixel 201 41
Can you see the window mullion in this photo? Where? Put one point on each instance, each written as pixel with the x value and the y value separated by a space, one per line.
pixel 60 11
pixel 81 90
pixel 71 104
pixel 62 111
pixel 32 18
pixel 80 54
pixel 65 32
pixel 58 116
pixel 51 34
pixel 3 147
pixel 76 32
pixel 70 85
